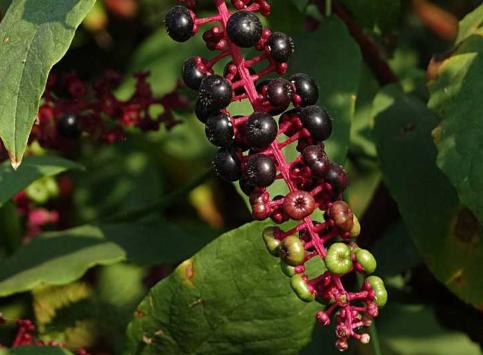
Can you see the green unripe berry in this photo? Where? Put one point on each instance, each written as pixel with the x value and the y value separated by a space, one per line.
pixel 51 186
pixel 338 259
pixel 301 288
pixel 287 269
pixel 292 250
pixel 356 227
pixel 379 289
pixel 272 243
pixel 37 192
pixel 366 259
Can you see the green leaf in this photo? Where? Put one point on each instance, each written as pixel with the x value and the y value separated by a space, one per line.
pixel 446 235
pixel 58 258
pixel 230 298
pixel 335 64
pixel 33 168
pixel 38 350
pixel 375 14
pixel 34 35
pixel 470 24
pixel 455 97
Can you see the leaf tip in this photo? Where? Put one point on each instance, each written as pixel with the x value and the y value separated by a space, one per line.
pixel 15 163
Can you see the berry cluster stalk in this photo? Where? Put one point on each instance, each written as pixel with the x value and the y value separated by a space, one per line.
pixel 252 151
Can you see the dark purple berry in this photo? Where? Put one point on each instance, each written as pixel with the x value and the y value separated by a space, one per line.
pixel 215 92
pixel 299 204
pixel 260 170
pixel 219 130
pixel 316 159
pixel 279 94
pixel 317 121
pixel 260 130
pixel 227 165
pixel 244 29
pixel 280 46
pixel 203 111
pixel 292 116
pixel 306 88
pixel 69 126
pixel 179 23
pixel 246 186
pixel 192 75
pixel 336 177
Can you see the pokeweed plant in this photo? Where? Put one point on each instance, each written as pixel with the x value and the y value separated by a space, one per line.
pixel 252 151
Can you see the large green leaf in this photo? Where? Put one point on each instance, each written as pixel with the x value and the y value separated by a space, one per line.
pixel 447 235
pixel 37 350
pixel 455 96
pixel 230 298
pixel 470 24
pixel 33 168
pixel 376 14
pixel 333 59
pixel 34 35
pixel 58 258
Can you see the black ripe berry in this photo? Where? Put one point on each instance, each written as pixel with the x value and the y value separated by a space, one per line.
pixel 317 121
pixel 260 170
pixel 306 88
pixel 280 46
pixel 179 23
pixel 215 92
pixel 316 159
pixel 246 186
pixel 278 94
pixel 203 111
pixel 336 177
pixel 244 29
pixel 261 130
pixel 227 165
pixel 219 130
pixel 192 75
pixel 69 126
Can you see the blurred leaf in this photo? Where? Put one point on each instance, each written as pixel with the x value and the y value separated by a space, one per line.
pixel 470 24
pixel 38 350
pixel 58 258
pixel 455 97
pixel 301 4
pixel 375 14
pixel 33 168
pixel 280 22
pixel 414 330
pixel 231 297
pixel 35 34
pixel 445 234
pixel 333 59
pixel 4 4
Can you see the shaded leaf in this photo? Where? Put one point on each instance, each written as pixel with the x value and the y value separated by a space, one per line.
pixel 33 168
pixel 231 297
pixel 38 350
pixel 470 24
pixel 34 35
pixel 375 14
pixel 58 258
pixel 446 235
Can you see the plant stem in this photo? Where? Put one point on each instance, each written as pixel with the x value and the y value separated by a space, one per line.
pixel 163 202
pixel 328 8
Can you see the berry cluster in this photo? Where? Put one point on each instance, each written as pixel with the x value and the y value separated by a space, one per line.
pixel 25 336
pixel 251 150
pixel 72 108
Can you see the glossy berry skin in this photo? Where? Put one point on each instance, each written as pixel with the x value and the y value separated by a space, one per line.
pixel 298 204
pixel 306 88
pixel 244 29
pixel 219 130
pixel 179 23
pixel 366 260
pixel 336 177
pixel 316 159
pixel 215 92
pixel 278 94
pixel 272 244
pixel 287 269
pixel 261 130
pixel 342 216
pixel 280 46
pixel 246 186
pixel 292 251
pixel 68 126
pixel 301 288
pixel 192 75
pixel 338 259
pixel 356 227
pixel 227 165
pixel 379 289
pixel 317 121
pixel 203 111
pixel 261 170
